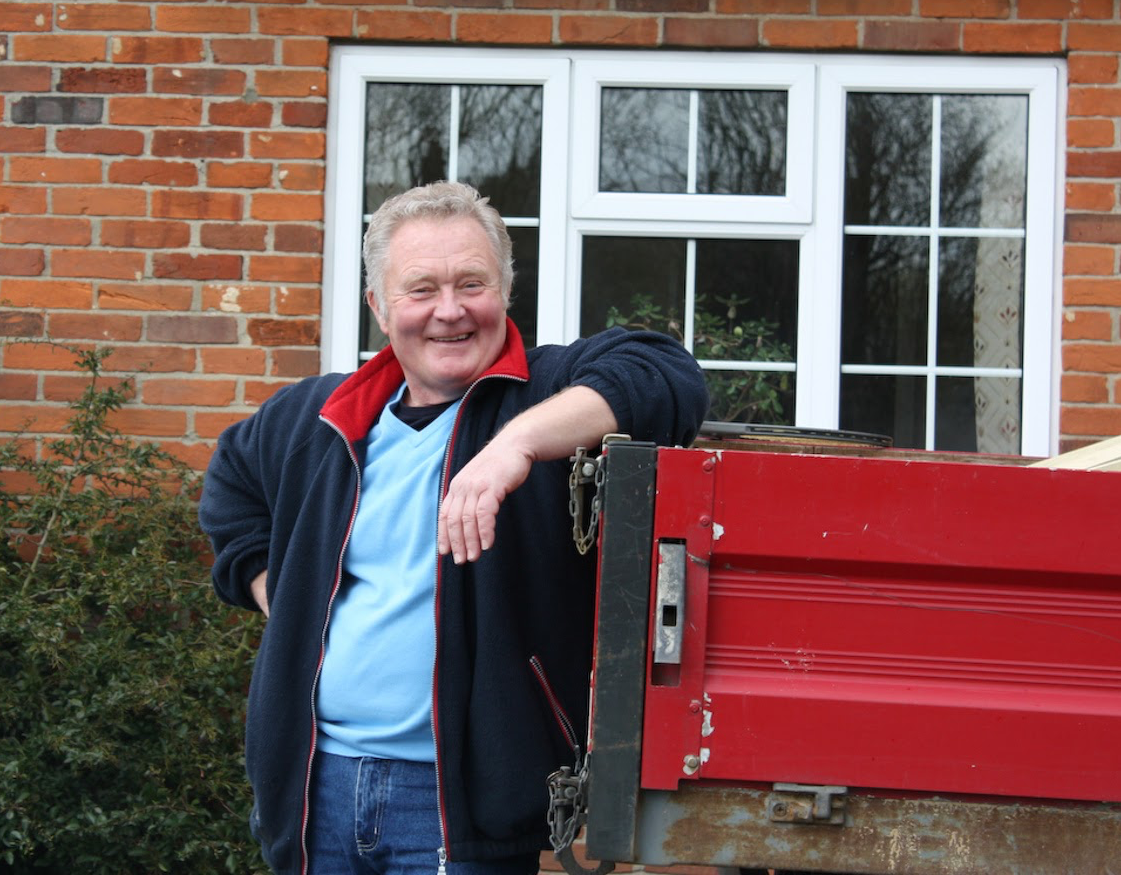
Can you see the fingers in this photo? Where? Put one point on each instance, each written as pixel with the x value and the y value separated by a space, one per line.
pixel 467 523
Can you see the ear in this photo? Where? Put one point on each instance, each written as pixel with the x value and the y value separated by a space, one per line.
pixel 372 303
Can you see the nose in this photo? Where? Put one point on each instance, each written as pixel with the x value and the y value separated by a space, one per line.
pixel 448 306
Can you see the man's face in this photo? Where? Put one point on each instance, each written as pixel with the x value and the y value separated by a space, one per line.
pixel 444 311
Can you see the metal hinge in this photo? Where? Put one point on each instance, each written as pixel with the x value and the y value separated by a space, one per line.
pixel 807 803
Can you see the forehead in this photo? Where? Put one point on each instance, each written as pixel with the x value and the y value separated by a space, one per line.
pixel 428 243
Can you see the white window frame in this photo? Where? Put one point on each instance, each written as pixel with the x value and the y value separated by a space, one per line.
pixel 811 210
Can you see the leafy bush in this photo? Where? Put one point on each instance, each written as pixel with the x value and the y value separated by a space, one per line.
pixel 122 679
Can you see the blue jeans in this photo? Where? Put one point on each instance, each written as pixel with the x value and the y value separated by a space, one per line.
pixel 379 816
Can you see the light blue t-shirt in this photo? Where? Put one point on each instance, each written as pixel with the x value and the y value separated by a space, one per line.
pixel 375 690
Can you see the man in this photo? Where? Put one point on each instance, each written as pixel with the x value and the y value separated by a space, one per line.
pixel 425 662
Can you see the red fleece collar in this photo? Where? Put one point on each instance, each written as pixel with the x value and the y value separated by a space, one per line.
pixel 358 401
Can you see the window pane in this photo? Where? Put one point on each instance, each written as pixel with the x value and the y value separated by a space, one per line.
pixel 980 302
pixel 742 143
pixel 984 161
pixel 887 159
pixel 747 300
pixel 634 282
pixel 890 405
pixel 644 140
pixel 523 299
pixel 500 145
pixel 884 300
pixel 978 414
pixel 765 397
pixel 407 138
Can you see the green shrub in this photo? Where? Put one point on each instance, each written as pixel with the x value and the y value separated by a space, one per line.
pixel 122 679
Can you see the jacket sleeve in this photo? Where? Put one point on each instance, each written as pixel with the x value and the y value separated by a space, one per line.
pixel 654 387
pixel 234 511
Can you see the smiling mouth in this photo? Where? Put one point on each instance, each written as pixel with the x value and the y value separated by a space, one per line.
pixel 454 339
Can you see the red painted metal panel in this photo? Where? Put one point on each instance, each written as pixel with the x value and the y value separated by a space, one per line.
pixel 919 626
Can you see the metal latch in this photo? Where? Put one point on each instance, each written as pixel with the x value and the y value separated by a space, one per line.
pixel 807 803
pixel 669 619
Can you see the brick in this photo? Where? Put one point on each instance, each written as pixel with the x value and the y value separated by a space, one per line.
pixel 663 6
pixel 1093 37
pixel 100 141
pixel 831 34
pixel 23 139
pixel 173 204
pixel 198 80
pixel 234 236
pixel 24 16
pixel 25 77
pixel 145 422
pixel 1100 422
pixel 519 29
pixel 14 323
pixel 863 7
pixel 302 177
pixel 304 52
pixel 763 7
pixel 38 357
pixel 965 8
pixel 99 201
pixel 237 298
pixel 298 301
pixel 462 4
pixel 912 36
pixel 1083 260
pixel 247 51
pixel 52 231
pixel 195 455
pixel 145 234
pixel 104 16
pixel 1092 358
pixel 70 388
pixel 184 328
pixel 1012 38
pixel 710 32
pixel 19 387
pixel 34 418
pixel 152 111
pixel 240 174
pixel 606 30
pixel 1061 9
pixel 420 26
pixel 1092 68
pixel 157 50
pixel 153 359
pixel 291 83
pixel 188 393
pixel 211 425
pixel 241 114
pixel 1091 196
pixel 1092 292
pixel 284 332
pixel 54 169
pixel 104 80
pixel 203 19
pixel 183 265
pixel 61 294
pixel 95 326
pixel 1092 164
pixel 1091 133
pixel 304 115
pixel 97 264
pixel 233 360
pixel 281 144
pixel 23 199
pixel 298 238
pixel 198 144
pixel 258 392
pixel 302 21
pixel 1084 389
pixel 286 207
pixel 295 363
pixel 153 172
pixel 55 110
pixel 1094 101
pixel 144 296
pixel 1087 325
pixel 284 268
pixel 21 262
pixel 64 49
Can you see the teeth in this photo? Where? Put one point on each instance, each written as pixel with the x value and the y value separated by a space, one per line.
pixel 451 339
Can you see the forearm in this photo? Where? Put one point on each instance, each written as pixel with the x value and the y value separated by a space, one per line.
pixel 577 417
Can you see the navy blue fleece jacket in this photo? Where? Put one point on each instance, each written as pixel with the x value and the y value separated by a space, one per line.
pixel 281 493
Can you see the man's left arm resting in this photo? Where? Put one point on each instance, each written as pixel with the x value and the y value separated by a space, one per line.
pixel 578 416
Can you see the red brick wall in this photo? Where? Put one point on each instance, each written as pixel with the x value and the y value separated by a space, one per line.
pixel 162 173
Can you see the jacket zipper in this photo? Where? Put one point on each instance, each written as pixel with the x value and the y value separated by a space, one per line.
pixel 566 726
pixel 323 643
pixel 441 803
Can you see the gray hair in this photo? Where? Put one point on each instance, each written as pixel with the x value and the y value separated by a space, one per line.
pixel 438 200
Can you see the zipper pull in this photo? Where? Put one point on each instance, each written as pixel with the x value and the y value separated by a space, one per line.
pixel 443 867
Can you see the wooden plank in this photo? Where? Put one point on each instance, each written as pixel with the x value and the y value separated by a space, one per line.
pixel 1102 456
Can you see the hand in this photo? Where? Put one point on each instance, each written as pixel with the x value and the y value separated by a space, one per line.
pixel 470 508
pixel 257 589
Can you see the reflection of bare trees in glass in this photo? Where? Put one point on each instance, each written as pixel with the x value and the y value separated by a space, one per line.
pixel 742 148
pixel 500 145
pixel 984 161
pixel 407 138
pixel 644 139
